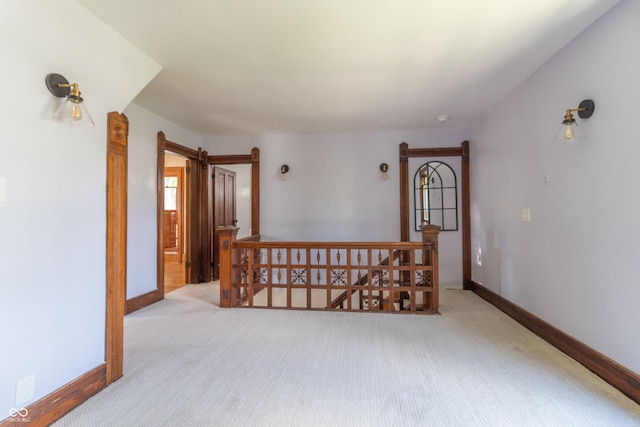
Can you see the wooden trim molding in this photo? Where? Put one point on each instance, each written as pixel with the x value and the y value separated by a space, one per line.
pixel 615 374
pixel 435 152
pixel 466 215
pixel 116 247
pixel 404 192
pixel 231 159
pixel 205 236
pixel 59 403
pixel 176 148
pixel 141 301
pixel 255 191
pixel 161 145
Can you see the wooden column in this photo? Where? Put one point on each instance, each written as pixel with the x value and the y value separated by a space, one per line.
pixel 117 137
pixel 227 276
pixel 255 191
pixel 430 257
pixel 404 192
pixel 161 144
pixel 204 237
pixel 466 218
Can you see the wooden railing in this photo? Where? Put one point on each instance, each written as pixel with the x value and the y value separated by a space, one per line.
pixel 352 276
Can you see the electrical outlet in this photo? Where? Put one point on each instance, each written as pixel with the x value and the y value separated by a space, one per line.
pixel 526 215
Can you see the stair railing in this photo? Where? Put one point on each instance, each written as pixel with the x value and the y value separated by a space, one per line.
pixel 349 276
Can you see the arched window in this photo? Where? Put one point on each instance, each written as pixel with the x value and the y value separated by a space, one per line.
pixel 436 196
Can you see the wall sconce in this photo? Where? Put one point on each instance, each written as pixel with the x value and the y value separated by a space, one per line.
pixel 569 129
pixel 384 168
pixel 73 107
pixel 283 170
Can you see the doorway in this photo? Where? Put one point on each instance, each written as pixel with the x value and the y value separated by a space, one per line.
pixel 175 223
pixel 195 212
pixel 247 168
pixel 224 209
pixel 462 153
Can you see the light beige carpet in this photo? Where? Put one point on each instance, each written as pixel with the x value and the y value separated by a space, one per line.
pixel 190 363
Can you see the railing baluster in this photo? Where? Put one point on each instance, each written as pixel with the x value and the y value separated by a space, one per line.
pixel 279 258
pixel 329 266
pixel 412 298
pixel 360 294
pixel 370 278
pixel 349 293
pixel 288 271
pixel 391 284
pixel 269 278
pixel 318 270
pixel 308 267
pixel 250 274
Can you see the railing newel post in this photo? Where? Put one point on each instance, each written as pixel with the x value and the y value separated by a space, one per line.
pixel 430 258
pixel 228 274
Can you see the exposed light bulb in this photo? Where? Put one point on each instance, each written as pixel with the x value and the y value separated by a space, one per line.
pixel 75 112
pixel 569 132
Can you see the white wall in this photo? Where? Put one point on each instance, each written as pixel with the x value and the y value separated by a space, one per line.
pixel 142 198
pixel 334 190
pixel 574 264
pixel 52 225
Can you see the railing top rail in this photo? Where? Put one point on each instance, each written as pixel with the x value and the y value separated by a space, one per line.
pixel 252 238
pixel 330 245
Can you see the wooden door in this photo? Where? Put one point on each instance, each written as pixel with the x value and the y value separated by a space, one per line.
pixel 224 209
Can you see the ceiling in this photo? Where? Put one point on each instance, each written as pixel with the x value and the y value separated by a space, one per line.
pixel 299 66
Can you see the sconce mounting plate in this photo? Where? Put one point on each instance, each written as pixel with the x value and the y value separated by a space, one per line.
pixel 53 81
pixel 585 109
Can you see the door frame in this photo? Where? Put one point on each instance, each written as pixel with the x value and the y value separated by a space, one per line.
pixel 463 152
pixel 252 159
pixel 196 190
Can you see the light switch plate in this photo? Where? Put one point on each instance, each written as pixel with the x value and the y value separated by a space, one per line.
pixel 25 390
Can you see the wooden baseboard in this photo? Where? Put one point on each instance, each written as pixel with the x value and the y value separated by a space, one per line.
pixel 136 303
pixel 55 405
pixel 615 374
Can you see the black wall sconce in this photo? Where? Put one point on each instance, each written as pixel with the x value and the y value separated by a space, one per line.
pixel 73 107
pixel 283 171
pixel 384 168
pixel 569 129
